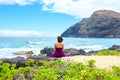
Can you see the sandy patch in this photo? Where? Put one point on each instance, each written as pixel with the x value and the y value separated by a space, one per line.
pixel 101 61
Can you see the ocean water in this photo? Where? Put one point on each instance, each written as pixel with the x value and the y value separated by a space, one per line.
pixel 8 45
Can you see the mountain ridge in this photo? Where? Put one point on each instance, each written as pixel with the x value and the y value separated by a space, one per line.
pixel 101 24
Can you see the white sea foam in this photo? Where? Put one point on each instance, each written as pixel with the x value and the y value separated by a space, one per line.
pixel 35 42
pixel 8 52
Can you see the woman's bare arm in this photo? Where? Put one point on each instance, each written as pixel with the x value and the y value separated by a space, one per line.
pixel 54 47
pixel 63 48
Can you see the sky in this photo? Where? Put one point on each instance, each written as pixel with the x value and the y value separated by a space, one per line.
pixel 43 18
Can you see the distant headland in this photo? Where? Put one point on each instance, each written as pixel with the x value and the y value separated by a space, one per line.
pixel 101 24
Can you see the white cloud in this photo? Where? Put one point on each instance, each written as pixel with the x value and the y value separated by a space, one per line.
pixel 80 8
pixel 20 2
pixel 20 33
pixel 77 8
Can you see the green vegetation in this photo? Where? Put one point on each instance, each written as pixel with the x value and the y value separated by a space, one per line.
pixel 29 62
pixel 91 63
pixel 57 70
pixel 107 52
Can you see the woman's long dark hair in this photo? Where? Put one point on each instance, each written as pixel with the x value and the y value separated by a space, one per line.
pixel 60 39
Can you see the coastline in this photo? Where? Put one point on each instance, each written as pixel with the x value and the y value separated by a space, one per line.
pixel 105 62
pixel 10 45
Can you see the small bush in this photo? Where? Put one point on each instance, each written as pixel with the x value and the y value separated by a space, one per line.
pixel 108 52
pixel 91 63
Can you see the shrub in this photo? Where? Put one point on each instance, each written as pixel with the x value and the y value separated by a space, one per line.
pixel 58 70
pixel 91 63
pixel 107 52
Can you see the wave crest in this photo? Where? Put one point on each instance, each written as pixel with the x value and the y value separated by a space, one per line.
pixel 35 42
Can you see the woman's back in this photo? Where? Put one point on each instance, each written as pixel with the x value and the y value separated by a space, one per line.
pixel 58 53
pixel 58 45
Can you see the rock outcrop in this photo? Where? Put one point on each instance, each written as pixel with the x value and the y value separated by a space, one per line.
pixel 27 53
pixel 101 24
pixel 19 61
pixel 71 51
pixel 115 47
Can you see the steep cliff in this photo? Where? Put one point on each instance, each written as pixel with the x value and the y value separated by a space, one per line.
pixel 101 24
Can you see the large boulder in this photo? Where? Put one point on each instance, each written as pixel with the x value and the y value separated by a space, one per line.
pixel 38 58
pixel 71 51
pixel 115 47
pixel 47 51
pixel 27 53
pixel 92 52
pixel 19 61
pixel 74 51
pixel 82 52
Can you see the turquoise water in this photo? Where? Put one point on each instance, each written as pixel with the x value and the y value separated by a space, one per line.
pixel 8 45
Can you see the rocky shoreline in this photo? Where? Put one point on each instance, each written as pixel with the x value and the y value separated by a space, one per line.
pixel 73 51
pixel 20 61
